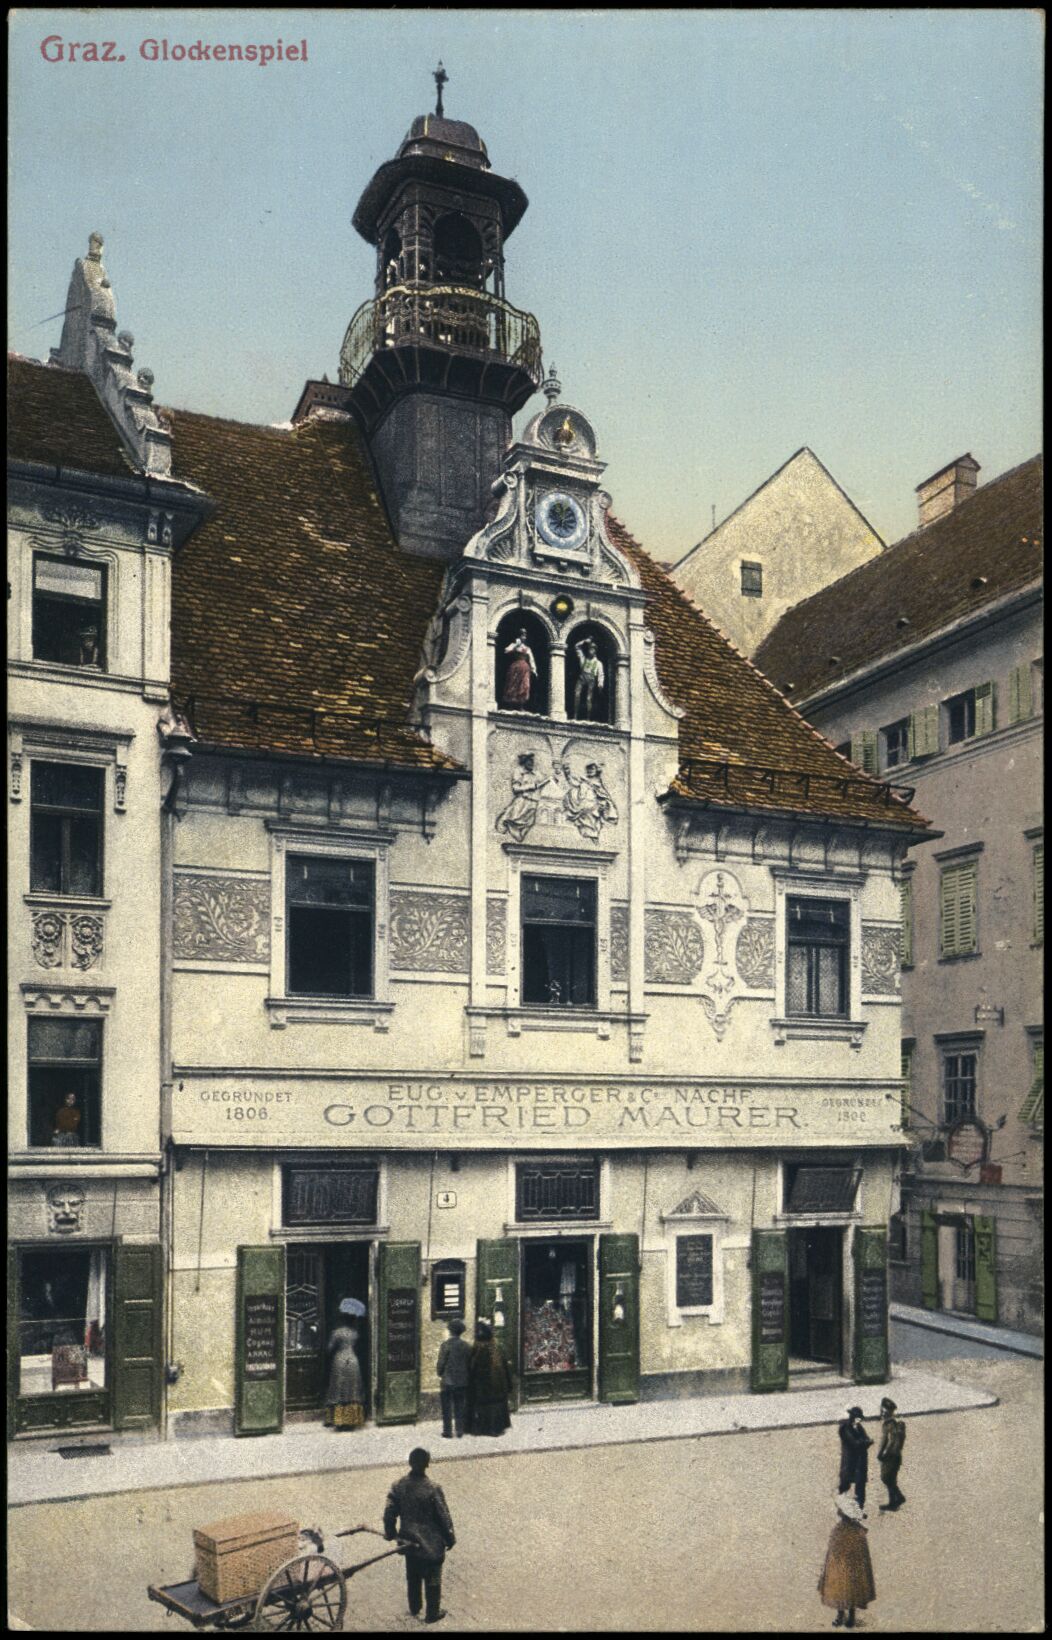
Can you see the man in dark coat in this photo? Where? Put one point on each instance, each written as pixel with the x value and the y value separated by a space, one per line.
pixel 453 1360
pixel 854 1454
pixel 889 1453
pixel 416 1510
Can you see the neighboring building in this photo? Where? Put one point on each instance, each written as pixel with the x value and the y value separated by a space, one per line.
pixel 527 950
pixel 94 521
pixel 793 535
pixel 926 667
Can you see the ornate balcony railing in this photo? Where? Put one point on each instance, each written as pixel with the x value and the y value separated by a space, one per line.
pixel 453 318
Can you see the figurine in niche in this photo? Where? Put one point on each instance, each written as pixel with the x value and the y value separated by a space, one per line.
pixel 586 802
pixel 519 815
pixel 65 1128
pixel 88 636
pixel 591 679
pixel 522 669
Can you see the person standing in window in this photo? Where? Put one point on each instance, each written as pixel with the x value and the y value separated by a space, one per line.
pixel 522 669
pixel 489 1384
pixel 345 1408
pixel 590 679
pixel 66 1129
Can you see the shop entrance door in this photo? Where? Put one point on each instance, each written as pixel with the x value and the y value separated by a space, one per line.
pixel 557 1336
pixel 317 1279
pixel 815 1288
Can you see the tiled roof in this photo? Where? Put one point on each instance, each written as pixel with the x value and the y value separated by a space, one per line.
pixel 740 741
pixel 989 545
pixel 54 416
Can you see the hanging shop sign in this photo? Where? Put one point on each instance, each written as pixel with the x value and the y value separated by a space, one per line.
pixel 966 1143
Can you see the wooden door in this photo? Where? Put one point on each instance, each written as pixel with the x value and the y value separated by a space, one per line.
pixel 305 1327
pixel 398 1342
pixel 619 1318
pixel 770 1310
pixel 260 1341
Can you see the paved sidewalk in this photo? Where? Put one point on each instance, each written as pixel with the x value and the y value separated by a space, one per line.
pixel 981 1332
pixel 37 1474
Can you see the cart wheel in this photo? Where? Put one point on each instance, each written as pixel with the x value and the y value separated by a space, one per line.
pixel 306 1594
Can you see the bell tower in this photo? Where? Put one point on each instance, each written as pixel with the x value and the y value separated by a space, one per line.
pixel 438 362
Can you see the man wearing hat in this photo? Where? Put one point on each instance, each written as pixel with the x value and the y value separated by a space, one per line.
pixel 416 1510
pixel 889 1453
pixel 453 1360
pixel 854 1454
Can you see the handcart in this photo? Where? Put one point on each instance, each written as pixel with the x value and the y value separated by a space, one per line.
pixel 305 1595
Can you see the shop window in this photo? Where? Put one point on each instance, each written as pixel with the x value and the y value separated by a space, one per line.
pixel 334 1194
pixel 818 934
pixel 591 674
pixel 895 738
pixel 556 1307
pixel 558 942
pixel 65 829
pixel 330 926
pixel 752 579
pixel 820 1189
pixel 62 1321
pixel 65 1077
pixel 69 612
pixel 522 663
pixel 959 1075
pixel 448 1288
pixel 556 1190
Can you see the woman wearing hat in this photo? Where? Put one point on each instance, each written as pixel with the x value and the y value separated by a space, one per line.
pixel 489 1384
pixel 344 1397
pixel 847 1576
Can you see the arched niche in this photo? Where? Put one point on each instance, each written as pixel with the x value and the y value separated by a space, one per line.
pixel 587 643
pixel 391 259
pixel 520 685
pixel 458 255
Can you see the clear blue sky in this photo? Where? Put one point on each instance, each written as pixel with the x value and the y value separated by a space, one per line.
pixel 748 230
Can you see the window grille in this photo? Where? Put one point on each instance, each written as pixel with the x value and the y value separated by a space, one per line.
pixel 556 1190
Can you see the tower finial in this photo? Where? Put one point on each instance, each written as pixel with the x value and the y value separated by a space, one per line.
pixel 551 386
pixel 440 77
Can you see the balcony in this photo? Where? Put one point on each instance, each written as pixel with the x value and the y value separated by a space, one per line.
pixel 448 337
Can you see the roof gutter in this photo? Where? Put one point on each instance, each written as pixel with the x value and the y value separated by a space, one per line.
pixel 172 493
pixel 674 800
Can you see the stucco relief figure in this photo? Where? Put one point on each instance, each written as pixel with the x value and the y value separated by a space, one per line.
pixel 65 1208
pixel 591 679
pixel 522 669
pixel 586 801
pixel 520 814
pixel 65 1127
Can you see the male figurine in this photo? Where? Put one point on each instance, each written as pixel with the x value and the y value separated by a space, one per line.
pixel 453 1359
pixel 889 1453
pixel 590 677
pixel 417 1508
pixel 854 1454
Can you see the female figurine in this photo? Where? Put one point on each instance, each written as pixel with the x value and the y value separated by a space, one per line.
pixel 344 1408
pixel 847 1576
pixel 489 1384
pixel 522 669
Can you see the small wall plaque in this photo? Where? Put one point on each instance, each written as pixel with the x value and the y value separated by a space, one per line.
pixel 446 1198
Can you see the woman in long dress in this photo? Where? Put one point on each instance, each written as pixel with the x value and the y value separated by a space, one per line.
pixel 344 1397
pixel 522 669
pixel 489 1384
pixel 847 1576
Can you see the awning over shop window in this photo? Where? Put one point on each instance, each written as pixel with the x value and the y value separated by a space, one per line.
pixel 821 1189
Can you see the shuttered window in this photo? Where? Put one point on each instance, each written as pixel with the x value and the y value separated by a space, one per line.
pixel 1039 894
pixel 924 732
pixel 1033 1109
pixel 906 1072
pixel 1020 694
pixel 958 926
pixel 906 922
pixel 864 750
pixel 985 708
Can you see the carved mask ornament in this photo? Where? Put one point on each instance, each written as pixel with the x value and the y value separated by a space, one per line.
pixel 65 1208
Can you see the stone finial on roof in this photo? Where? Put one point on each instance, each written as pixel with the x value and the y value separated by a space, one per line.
pixel 91 343
pixel 551 386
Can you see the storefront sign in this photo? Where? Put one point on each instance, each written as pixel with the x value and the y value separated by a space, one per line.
pixel 873 1303
pixel 772 1307
pixel 261 1335
pixel 495 1112
pixel 966 1143
pixel 401 1329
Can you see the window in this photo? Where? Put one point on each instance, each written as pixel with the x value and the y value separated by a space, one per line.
pixel 65 1076
pixel 971 713
pixel 964 1250
pixel 958 1087
pixel 923 732
pixel 819 933
pixel 958 923
pixel 558 942
pixel 820 1189
pixel 556 1190
pixel 864 750
pixel 1039 893
pixel 69 608
pixel 65 829
pixel 62 1320
pixel 522 663
pixel 591 675
pixel 844 748
pixel 752 579
pixel 896 739
pixel 906 922
pixel 906 1073
pixel 330 926
pixel 330 1194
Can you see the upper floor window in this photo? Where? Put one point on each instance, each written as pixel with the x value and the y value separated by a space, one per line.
pixel 559 942
pixel 329 907
pixel 522 663
pixel 69 611
pixel 958 1086
pixel 65 1076
pixel 557 1190
pixel 1039 893
pixel 971 713
pixel 818 939
pixel 752 579
pixel 958 921
pixel 65 829
pixel 896 742
pixel 590 675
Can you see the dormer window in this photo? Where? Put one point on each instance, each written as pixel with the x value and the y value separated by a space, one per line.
pixel 591 662
pixel 69 612
pixel 522 663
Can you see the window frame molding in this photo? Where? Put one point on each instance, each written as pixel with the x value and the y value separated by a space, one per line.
pixel 557 862
pixel 801 884
pixel 105 562
pixel 43 740
pixel 953 1044
pixel 554 1229
pixel 676 1226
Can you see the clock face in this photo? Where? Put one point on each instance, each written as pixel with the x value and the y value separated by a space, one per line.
pixel 561 521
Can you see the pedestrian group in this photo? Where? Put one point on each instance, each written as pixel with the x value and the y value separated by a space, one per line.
pixel 846 1582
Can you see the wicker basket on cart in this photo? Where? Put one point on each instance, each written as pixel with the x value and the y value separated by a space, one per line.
pixel 236 1555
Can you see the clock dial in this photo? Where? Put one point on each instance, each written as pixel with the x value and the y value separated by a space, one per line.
pixel 561 521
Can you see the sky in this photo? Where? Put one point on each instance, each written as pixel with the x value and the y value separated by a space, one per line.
pixel 749 231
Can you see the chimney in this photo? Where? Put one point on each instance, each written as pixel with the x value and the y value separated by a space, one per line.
pixel 946 489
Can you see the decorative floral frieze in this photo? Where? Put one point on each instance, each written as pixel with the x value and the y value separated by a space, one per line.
pixel 85 938
pixel 756 953
pixel 674 947
pixel 880 959
pixel 430 932
pixel 619 944
pixel 221 919
pixel 67 939
pixel 496 935
pixel 49 934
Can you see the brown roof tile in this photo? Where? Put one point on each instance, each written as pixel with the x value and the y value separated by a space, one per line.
pixel 54 416
pixel 988 546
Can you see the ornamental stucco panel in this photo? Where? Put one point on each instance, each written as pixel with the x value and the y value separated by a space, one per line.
pixel 756 953
pixel 430 932
pixel 558 790
pixel 880 960
pixel 675 947
pixel 220 918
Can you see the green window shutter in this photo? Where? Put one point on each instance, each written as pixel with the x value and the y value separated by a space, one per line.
pixel 929 1260
pixel 1039 894
pixel 985 708
pixel 619 1318
pixel 985 1269
pixel 398 1340
pixel 871 1305
pixel 864 750
pixel 137 1336
pixel 958 905
pixel 14 1345
pixel 497 1290
pixel 924 732
pixel 948 913
pixel 259 1390
pixel 770 1310
pixel 1020 694
pixel 1033 1105
pixel 906 1071
pixel 906 922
